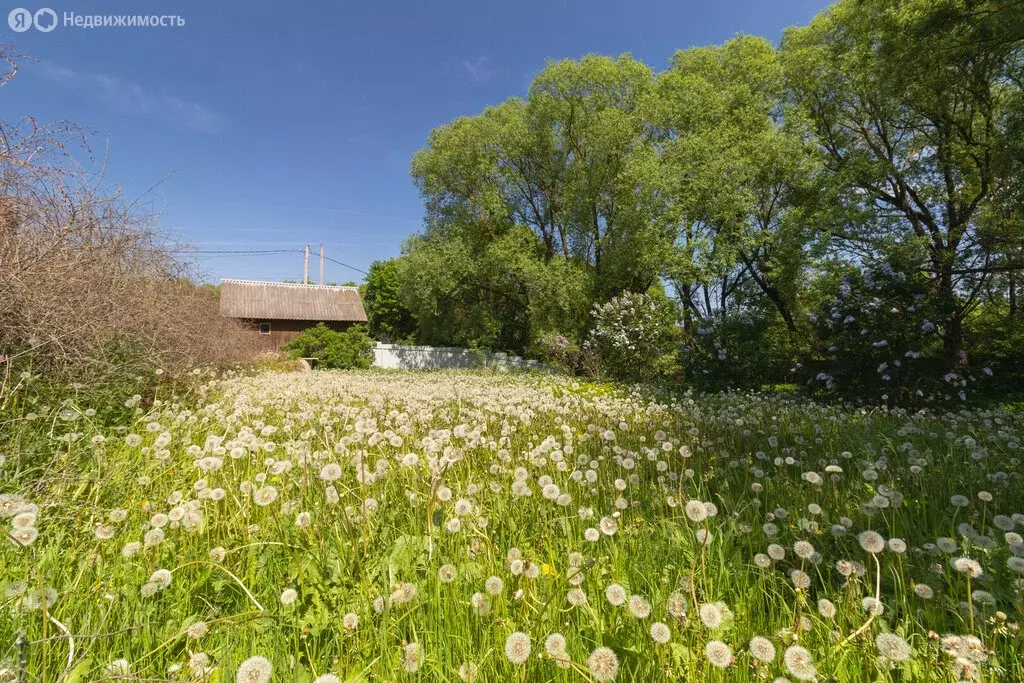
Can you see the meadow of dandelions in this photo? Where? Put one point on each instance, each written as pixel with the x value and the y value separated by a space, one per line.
pixel 443 527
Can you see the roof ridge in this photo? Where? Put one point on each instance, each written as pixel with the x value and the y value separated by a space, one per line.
pixel 288 284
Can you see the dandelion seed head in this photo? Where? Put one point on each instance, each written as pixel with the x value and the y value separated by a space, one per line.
pixel 799 663
pixel 762 649
pixel 603 664
pixel 660 632
pixel 254 670
pixel 718 654
pixel 517 647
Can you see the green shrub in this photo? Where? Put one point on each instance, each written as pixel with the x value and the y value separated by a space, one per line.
pixel 741 349
pixel 351 349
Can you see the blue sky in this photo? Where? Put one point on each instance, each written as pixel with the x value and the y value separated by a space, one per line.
pixel 268 125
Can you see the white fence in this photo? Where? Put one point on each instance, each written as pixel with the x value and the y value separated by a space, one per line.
pixel 398 357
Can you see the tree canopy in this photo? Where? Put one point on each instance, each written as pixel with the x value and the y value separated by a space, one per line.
pixel 754 183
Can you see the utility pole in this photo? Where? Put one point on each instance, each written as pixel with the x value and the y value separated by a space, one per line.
pixel 305 268
pixel 321 263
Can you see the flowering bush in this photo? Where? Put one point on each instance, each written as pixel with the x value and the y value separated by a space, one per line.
pixel 633 337
pixel 878 335
pixel 565 354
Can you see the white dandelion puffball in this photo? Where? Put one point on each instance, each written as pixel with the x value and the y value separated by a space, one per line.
pixel 554 645
pixel 161 578
pixel 968 567
pixel 608 526
pixel 494 585
pixel 872 606
pixel 871 541
pixel 517 647
pixel 718 653
pixel 254 670
pixel 675 605
pixel 265 495
pixel 803 550
pixel 603 664
pixel 197 630
pixel 696 511
pixel 639 607
pixel 119 668
pixel 660 633
pixel 710 615
pixel 289 596
pixel 350 621
pixel 481 604
pixel 799 664
pixel 762 649
pixel 412 658
pixel 616 595
pixel 447 573
pixel 892 648
pixel 468 671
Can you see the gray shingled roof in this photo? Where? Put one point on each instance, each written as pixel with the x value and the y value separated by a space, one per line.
pixel 286 301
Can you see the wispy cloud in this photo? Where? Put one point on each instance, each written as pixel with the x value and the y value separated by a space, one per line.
pixel 128 97
pixel 479 69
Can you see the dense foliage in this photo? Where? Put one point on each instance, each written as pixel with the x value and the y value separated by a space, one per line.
pixel 388 319
pixel 745 179
pixel 477 527
pixel 633 337
pixel 350 349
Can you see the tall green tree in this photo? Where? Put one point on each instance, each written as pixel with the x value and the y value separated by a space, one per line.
pixel 909 103
pixel 739 171
pixel 609 184
pixel 503 294
pixel 388 319
pixel 554 189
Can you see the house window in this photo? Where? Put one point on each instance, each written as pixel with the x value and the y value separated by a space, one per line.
pixel 264 328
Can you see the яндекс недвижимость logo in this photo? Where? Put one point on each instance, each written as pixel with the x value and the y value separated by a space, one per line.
pixel 46 19
pixel 21 19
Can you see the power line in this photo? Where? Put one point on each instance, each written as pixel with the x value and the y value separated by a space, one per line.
pixel 253 251
pixel 358 270
pixel 240 252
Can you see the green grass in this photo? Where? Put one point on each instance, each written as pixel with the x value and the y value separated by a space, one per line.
pixel 625 455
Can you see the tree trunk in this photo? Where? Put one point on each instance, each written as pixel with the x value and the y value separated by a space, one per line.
pixel 1013 294
pixel 952 330
pixel 770 291
pixel 783 309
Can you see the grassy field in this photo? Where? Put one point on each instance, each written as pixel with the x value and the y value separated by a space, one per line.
pixel 444 527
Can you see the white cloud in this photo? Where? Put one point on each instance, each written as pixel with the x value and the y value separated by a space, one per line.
pixel 128 97
pixel 478 69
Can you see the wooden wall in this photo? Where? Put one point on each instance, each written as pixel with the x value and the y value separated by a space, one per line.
pixel 283 331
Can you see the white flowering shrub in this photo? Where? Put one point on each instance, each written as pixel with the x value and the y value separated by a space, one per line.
pixel 634 337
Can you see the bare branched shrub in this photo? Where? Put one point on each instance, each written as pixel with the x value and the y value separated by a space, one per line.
pixel 88 283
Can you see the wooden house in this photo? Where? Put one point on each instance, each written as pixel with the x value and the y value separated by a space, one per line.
pixel 279 311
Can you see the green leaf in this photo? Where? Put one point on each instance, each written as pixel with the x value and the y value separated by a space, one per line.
pixel 78 674
pixel 407 554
